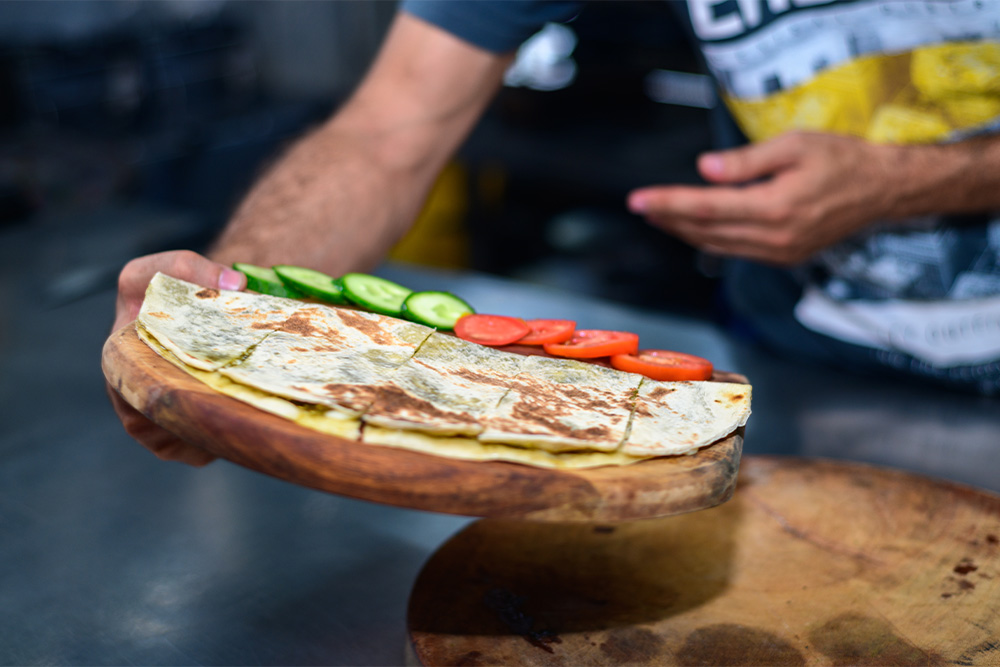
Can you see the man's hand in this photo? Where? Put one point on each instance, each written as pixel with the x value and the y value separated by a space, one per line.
pixel 779 201
pixel 183 264
pixel 132 284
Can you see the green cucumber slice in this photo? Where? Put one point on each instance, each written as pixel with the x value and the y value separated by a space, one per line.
pixel 311 283
pixel 264 280
pixel 374 293
pixel 435 309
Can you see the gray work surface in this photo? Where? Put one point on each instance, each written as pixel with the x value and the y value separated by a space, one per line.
pixel 109 556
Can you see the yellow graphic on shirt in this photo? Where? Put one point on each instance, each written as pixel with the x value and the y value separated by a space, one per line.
pixel 921 96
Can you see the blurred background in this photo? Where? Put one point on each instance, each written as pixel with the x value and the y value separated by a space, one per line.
pixel 130 126
pixel 134 126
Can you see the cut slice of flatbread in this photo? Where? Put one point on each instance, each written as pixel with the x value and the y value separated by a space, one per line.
pixel 208 328
pixel 445 388
pixel 316 419
pixel 563 405
pixel 673 418
pixel 335 357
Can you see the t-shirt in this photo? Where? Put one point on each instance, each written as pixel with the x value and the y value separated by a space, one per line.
pixel 896 72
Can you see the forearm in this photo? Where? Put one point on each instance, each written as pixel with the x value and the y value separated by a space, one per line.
pixel 326 204
pixel 962 177
pixel 345 193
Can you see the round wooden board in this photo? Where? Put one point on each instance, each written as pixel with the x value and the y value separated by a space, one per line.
pixel 269 444
pixel 811 563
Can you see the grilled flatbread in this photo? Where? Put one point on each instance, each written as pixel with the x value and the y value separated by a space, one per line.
pixel 328 422
pixel 334 423
pixel 446 388
pixel 564 405
pixel 206 328
pixel 384 381
pixel 335 357
pixel 674 418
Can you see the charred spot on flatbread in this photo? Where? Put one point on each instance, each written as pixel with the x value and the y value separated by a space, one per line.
pixel 368 326
pixel 661 391
pixel 401 403
pixel 301 323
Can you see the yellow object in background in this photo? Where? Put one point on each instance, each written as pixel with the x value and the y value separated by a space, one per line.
pixel 842 100
pixel 964 79
pixel 898 124
pixel 968 68
pixel 439 237
pixel 922 96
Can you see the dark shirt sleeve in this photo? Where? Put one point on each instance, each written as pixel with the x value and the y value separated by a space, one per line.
pixel 495 25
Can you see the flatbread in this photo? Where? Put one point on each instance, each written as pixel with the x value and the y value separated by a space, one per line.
pixel 335 357
pixel 316 419
pixel 446 388
pixel 673 418
pixel 208 328
pixel 383 381
pixel 333 423
pixel 564 405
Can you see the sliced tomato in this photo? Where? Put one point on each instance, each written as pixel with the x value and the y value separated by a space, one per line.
pixel 664 365
pixel 593 343
pixel 491 329
pixel 548 331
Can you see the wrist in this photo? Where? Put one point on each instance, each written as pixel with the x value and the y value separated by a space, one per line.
pixel 942 178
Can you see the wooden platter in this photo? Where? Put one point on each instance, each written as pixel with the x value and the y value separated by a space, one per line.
pixel 810 563
pixel 269 444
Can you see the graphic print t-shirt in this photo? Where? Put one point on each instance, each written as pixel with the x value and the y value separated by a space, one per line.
pixel 919 71
pixel 889 71
pixel 896 72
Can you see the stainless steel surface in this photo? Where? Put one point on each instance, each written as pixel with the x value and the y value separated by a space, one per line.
pixel 109 556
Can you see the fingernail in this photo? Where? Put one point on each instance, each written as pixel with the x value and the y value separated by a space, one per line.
pixel 230 279
pixel 712 163
pixel 638 204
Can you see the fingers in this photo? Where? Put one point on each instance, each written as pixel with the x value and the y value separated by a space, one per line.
pixel 712 203
pixel 752 162
pixel 183 264
pixel 755 222
pixel 754 242
pixel 162 443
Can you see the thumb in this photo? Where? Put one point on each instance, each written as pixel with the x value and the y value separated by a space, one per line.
pixel 746 163
pixel 182 264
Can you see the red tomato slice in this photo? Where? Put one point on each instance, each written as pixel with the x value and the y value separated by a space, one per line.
pixel 548 331
pixel 593 343
pixel 664 365
pixel 491 329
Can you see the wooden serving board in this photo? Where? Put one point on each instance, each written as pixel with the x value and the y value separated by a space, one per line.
pixel 258 440
pixel 810 563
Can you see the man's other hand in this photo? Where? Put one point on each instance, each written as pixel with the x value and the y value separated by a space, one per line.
pixel 779 201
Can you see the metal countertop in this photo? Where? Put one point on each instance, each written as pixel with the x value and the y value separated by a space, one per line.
pixel 110 556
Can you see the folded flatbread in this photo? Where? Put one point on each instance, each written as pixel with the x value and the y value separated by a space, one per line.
pixel 332 357
pixel 564 405
pixel 207 328
pixel 674 418
pixel 388 382
pixel 447 388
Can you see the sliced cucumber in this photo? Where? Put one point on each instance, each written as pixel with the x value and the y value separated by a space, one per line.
pixel 311 283
pixel 435 309
pixel 264 280
pixel 374 293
